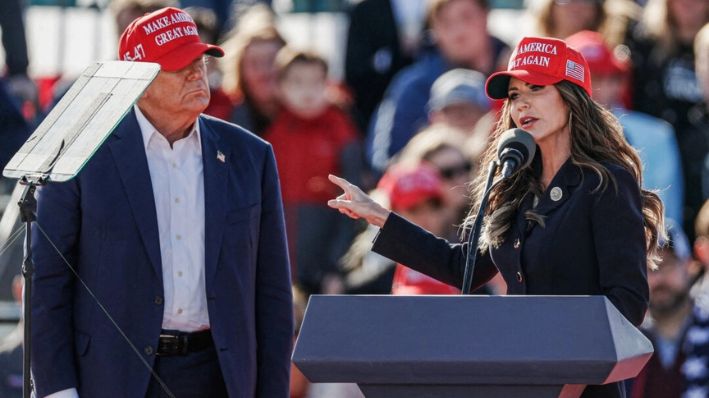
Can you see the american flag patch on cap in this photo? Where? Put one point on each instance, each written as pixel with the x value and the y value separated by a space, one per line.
pixel 574 70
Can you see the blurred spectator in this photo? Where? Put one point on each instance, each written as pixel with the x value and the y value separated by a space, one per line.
pixel 383 37
pixel 701 245
pixel 311 138
pixel 699 123
pixel 665 84
pixel 671 323
pixel 416 193
pixel 614 19
pixel 459 28
pixel 11 352
pixel 444 148
pixel 652 137
pixel 219 102
pixel 441 147
pixel 13 38
pixel 249 69
pixel 14 42
pixel 224 10
pixel 125 11
pixel 14 129
pixel 221 9
pixel 458 99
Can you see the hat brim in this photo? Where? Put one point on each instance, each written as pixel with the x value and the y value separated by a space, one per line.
pixel 497 84
pixel 184 55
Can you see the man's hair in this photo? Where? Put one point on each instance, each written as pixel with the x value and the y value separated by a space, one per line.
pixel 434 7
pixel 287 57
pixel 701 224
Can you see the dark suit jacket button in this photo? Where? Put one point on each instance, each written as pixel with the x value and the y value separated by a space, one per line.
pixel 158 300
pixel 148 350
pixel 519 277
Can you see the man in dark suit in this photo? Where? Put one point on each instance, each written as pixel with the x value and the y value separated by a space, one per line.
pixel 176 227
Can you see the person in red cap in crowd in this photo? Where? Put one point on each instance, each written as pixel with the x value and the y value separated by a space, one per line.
pixel 416 193
pixel 175 229
pixel 652 137
pixel 576 222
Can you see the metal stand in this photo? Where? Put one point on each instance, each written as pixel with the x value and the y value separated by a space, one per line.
pixel 28 209
pixel 472 256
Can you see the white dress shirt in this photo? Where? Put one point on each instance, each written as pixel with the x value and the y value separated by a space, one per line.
pixel 178 188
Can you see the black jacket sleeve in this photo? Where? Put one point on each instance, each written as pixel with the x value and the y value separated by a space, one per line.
pixel 410 245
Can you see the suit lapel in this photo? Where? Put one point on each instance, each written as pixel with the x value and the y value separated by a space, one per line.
pixel 215 158
pixel 128 152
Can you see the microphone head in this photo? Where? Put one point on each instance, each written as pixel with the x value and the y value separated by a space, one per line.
pixel 519 140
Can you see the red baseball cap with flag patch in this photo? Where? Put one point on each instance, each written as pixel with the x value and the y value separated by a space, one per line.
pixel 168 37
pixel 541 61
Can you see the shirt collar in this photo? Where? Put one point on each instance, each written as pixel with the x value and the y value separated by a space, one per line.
pixel 148 130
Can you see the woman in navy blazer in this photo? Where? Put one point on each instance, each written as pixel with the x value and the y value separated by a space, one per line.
pixel 574 223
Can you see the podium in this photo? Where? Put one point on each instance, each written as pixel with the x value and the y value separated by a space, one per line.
pixel 468 346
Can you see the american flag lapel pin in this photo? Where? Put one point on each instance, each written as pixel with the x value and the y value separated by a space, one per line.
pixel 221 157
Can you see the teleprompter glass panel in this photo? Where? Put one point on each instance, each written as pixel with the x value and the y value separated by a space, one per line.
pixel 82 120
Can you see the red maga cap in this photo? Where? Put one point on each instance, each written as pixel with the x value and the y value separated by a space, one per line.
pixel 599 56
pixel 168 37
pixel 408 187
pixel 541 61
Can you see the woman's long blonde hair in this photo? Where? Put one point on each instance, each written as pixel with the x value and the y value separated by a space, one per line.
pixel 596 138
pixel 258 24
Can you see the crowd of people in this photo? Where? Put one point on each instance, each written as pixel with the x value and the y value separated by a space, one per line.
pixel 411 124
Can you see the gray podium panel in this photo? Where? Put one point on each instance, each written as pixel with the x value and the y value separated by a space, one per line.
pixel 423 343
pixel 470 391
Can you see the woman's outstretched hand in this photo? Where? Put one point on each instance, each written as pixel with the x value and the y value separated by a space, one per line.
pixel 357 204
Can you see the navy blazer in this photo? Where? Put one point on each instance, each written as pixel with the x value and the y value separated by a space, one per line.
pixel 104 223
pixel 592 243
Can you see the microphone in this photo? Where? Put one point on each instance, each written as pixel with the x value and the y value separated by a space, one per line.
pixel 515 151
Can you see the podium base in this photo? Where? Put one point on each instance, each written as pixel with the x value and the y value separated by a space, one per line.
pixel 468 391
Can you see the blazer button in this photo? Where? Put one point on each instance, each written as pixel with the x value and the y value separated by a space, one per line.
pixel 148 350
pixel 158 300
pixel 516 244
pixel 519 277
